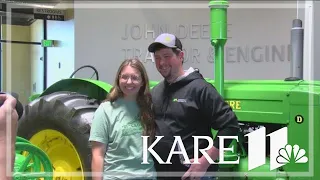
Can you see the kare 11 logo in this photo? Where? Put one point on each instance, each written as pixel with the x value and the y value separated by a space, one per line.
pixel 281 153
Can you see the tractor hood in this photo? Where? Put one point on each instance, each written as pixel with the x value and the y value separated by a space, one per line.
pixel 269 100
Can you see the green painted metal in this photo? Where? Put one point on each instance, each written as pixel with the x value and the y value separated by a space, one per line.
pixel 218 29
pixel 93 88
pixel 153 83
pixel 19 160
pixel 33 97
pixel 30 166
pixel 243 167
pixel 276 104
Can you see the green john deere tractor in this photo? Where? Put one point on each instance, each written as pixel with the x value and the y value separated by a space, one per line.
pixel 53 133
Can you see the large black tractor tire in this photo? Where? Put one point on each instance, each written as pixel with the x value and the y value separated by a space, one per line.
pixel 70 114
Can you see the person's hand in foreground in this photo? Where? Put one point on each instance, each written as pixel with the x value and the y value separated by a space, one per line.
pixel 8 126
pixel 196 171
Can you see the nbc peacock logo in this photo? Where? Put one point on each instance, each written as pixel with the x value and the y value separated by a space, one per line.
pixel 281 152
pixel 291 154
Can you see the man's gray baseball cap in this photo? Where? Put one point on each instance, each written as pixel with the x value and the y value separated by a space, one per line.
pixel 165 39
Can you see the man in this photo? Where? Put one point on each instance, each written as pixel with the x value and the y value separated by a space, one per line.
pixel 186 105
pixel 7 113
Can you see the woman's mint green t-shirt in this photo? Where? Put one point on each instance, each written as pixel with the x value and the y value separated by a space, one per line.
pixel 117 126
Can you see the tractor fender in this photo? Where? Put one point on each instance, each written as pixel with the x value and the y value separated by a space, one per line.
pixel 91 88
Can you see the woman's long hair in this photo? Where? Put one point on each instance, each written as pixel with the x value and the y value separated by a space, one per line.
pixel 144 100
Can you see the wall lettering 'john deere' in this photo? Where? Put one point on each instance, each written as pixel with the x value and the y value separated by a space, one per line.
pixel 236 105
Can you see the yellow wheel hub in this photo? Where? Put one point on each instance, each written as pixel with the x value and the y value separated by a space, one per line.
pixel 62 154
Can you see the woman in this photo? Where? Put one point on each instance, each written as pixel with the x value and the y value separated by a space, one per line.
pixel 119 124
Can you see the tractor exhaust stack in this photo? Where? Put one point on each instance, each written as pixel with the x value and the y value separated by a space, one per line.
pixel 297 49
pixel 218 32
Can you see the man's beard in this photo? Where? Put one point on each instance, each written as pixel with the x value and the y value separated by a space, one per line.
pixel 169 77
